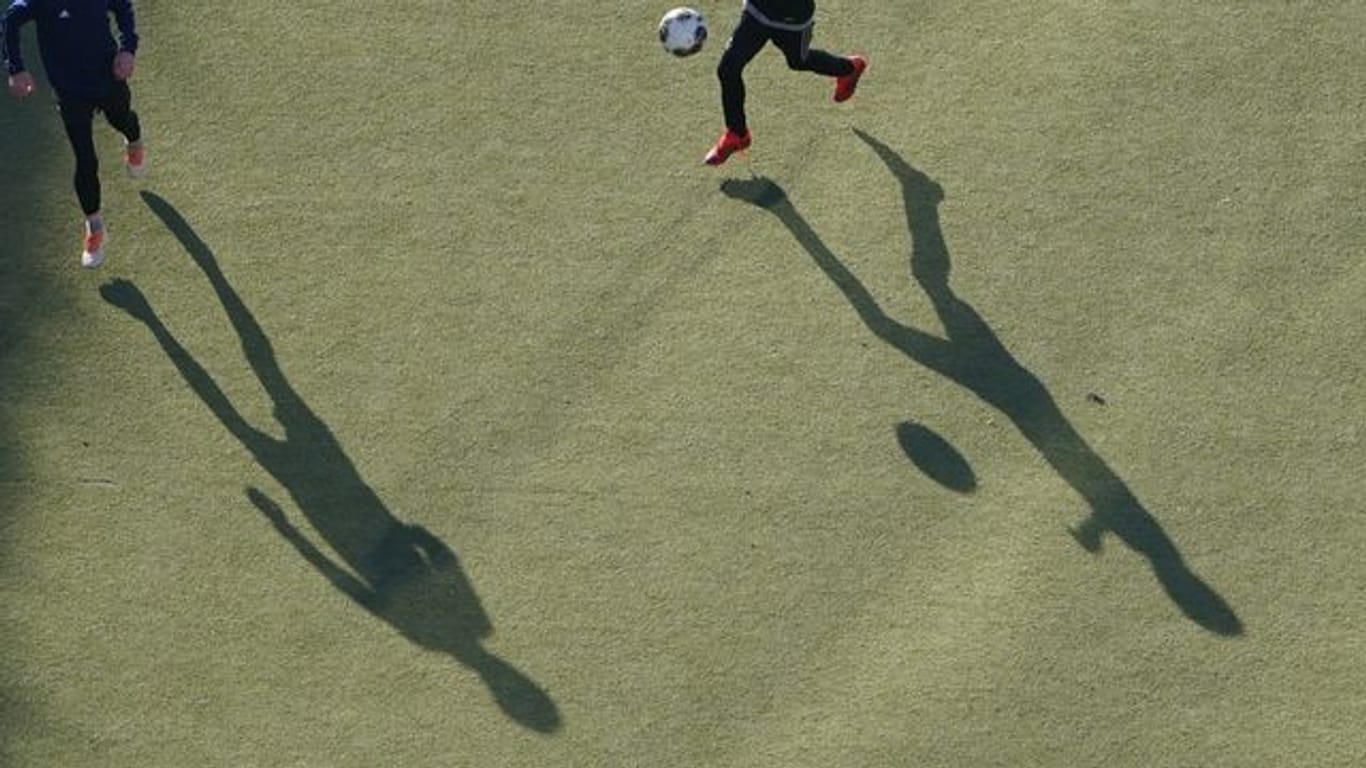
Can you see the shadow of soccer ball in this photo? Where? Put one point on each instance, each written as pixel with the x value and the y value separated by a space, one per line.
pixel 933 455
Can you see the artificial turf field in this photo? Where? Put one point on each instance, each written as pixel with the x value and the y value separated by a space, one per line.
pixel 435 405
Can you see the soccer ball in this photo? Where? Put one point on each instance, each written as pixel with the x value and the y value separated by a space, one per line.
pixel 682 31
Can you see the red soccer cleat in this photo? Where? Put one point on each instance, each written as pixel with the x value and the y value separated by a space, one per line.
pixel 729 143
pixel 845 84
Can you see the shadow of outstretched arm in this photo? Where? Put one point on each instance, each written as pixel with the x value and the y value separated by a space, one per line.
pixel 349 585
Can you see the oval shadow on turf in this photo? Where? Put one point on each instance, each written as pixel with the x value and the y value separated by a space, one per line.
pixel 934 456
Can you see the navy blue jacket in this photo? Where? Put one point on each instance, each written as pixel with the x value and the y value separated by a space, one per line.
pixel 783 14
pixel 75 40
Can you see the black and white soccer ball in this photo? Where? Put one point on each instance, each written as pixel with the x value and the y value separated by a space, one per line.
pixel 683 31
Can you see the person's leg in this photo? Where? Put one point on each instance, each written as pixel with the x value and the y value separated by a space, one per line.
pixel 118 110
pixel 796 48
pixel 745 43
pixel 78 119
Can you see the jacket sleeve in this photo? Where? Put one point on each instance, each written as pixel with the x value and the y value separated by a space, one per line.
pixel 15 17
pixel 127 23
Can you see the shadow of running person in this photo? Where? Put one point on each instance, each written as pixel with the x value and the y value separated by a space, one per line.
pixel 400 573
pixel 972 356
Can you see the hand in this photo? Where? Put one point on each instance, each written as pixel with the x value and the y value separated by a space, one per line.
pixel 123 65
pixel 270 509
pixel 1088 534
pixel 20 85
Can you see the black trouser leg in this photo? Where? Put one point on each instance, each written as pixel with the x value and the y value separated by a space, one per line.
pixel 78 119
pixel 796 47
pixel 745 42
pixel 118 110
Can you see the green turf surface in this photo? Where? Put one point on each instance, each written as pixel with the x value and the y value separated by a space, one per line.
pixel 436 406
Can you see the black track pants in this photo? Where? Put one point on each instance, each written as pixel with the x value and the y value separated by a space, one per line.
pixel 746 41
pixel 78 117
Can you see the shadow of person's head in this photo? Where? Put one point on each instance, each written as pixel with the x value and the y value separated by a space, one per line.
pixel 432 603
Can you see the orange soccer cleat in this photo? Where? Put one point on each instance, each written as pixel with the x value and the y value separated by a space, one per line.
pixel 92 252
pixel 135 159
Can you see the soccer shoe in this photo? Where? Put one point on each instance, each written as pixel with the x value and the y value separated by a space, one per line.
pixel 729 143
pixel 92 254
pixel 845 84
pixel 135 159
